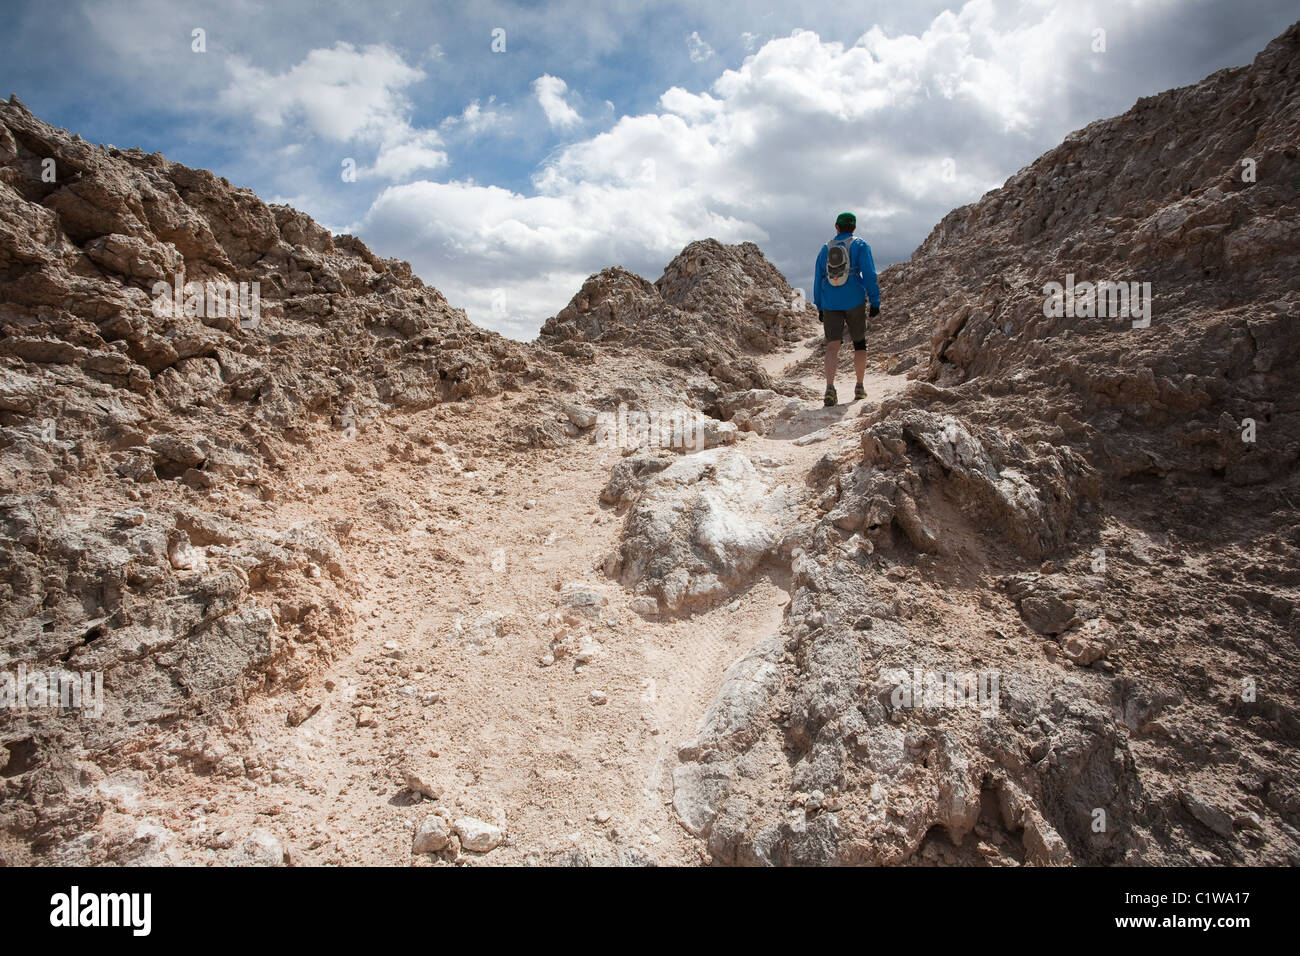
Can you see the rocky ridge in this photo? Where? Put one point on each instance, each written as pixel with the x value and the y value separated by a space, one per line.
pixel 1042 592
pixel 1098 515
pixel 142 443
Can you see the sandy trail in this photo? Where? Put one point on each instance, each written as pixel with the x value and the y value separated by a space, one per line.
pixel 461 573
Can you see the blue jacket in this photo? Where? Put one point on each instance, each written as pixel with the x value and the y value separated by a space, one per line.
pixel 862 279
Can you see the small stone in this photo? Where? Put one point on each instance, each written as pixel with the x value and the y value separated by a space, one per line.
pixel 1082 651
pixel 477 836
pixel 420 782
pixel 300 713
pixel 261 848
pixel 366 717
pixel 597 697
pixel 581 416
pixel 645 606
pixel 602 816
pixel 717 433
pixel 1204 811
pixel 431 834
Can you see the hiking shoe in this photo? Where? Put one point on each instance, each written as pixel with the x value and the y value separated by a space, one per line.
pixel 859 392
pixel 831 398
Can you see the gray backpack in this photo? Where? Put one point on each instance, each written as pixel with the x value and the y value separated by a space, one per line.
pixel 838 261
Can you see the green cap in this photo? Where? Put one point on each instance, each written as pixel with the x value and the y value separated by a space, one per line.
pixel 846 219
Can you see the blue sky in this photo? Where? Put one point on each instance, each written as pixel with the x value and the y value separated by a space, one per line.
pixel 615 133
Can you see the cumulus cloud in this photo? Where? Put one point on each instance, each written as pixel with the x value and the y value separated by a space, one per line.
pixel 338 93
pixel 476 119
pixel 550 92
pixel 345 95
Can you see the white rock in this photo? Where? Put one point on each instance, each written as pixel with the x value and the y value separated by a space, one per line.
pixel 581 416
pixel 812 437
pixel 186 558
pixel 581 595
pixel 261 848
pixel 584 599
pixel 644 605
pixel 597 697
pixel 477 836
pixel 431 834
pixel 701 527
pixel 719 433
pixel 418 781
pixel 483 629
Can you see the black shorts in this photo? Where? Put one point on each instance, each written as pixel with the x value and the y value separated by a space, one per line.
pixel 834 321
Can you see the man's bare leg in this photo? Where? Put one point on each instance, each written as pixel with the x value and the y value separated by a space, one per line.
pixel 832 356
pixel 860 363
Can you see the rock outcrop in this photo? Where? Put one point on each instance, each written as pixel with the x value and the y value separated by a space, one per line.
pixel 166 342
pixel 714 308
pixel 699 527
pixel 1034 621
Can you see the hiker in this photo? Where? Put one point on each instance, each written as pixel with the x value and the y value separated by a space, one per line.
pixel 843 280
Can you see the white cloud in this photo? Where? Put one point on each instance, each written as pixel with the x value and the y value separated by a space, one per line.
pixel 401 160
pixel 690 106
pixel 699 50
pixel 550 92
pixel 339 93
pixel 344 95
pixel 476 119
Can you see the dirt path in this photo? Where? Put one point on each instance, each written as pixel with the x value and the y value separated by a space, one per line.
pixel 465 559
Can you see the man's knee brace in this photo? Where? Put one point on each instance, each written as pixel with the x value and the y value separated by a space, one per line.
pixel 860 346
